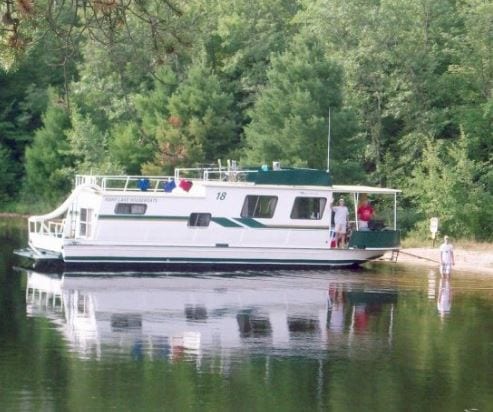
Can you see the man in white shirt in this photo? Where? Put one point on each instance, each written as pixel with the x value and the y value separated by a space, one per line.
pixel 447 259
pixel 341 214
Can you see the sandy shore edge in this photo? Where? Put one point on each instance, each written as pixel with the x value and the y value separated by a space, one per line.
pixel 465 260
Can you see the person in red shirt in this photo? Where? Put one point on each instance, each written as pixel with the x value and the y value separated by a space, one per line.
pixel 365 214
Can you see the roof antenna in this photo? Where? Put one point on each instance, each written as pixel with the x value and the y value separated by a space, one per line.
pixel 328 146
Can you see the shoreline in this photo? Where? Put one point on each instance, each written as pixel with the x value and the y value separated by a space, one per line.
pixel 466 260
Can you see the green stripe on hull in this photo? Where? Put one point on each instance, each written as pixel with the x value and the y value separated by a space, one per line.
pixel 222 221
pixel 142 217
pixel 248 221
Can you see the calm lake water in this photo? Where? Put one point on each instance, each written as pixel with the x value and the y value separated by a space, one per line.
pixel 386 337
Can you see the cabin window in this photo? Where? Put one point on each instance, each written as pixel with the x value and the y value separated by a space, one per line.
pixel 259 206
pixel 311 208
pixel 85 226
pixel 199 219
pixel 130 208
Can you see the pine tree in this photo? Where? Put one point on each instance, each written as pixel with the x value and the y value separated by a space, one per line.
pixel 290 118
pixel 49 162
pixel 445 184
pixel 8 180
pixel 200 126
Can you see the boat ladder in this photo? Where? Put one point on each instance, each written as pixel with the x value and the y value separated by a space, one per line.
pixel 394 256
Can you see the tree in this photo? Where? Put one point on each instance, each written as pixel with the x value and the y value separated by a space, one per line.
pixel 163 26
pixel 24 98
pixel 473 75
pixel 243 39
pixel 446 184
pixel 396 57
pixel 88 146
pixel 290 117
pixel 150 115
pixel 128 150
pixel 201 126
pixel 9 181
pixel 49 162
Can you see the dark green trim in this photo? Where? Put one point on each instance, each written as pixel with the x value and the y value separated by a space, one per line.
pixel 221 221
pixel 291 177
pixel 368 239
pixel 141 217
pixel 296 227
pixel 225 222
pixel 248 221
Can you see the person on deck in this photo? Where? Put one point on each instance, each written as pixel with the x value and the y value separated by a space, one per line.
pixel 365 214
pixel 447 259
pixel 341 214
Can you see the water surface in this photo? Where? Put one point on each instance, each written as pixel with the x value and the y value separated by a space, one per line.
pixel 385 337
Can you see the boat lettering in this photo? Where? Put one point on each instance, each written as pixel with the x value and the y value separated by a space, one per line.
pixel 125 199
pixel 221 195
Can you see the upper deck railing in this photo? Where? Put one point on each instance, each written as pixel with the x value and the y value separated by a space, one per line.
pixel 263 176
pixel 158 183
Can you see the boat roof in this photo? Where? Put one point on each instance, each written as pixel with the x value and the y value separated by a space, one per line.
pixel 364 189
pixel 290 177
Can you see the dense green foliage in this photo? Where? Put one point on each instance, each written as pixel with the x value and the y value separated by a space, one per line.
pixel 141 87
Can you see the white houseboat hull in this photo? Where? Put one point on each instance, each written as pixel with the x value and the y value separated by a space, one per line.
pixel 178 256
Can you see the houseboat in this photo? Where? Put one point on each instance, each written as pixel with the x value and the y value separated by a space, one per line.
pixel 210 219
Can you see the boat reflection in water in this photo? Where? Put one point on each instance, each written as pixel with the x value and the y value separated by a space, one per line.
pixel 193 318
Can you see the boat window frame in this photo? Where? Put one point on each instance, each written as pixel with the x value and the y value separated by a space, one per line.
pixel 85 222
pixel 321 208
pixel 259 206
pixel 195 219
pixel 131 211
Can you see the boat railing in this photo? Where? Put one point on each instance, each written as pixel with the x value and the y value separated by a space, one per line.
pixel 47 227
pixel 157 183
pixel 124 183
pixel 212 174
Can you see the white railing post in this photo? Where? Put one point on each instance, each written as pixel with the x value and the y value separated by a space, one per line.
pixel 395 211
pixel 126 184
